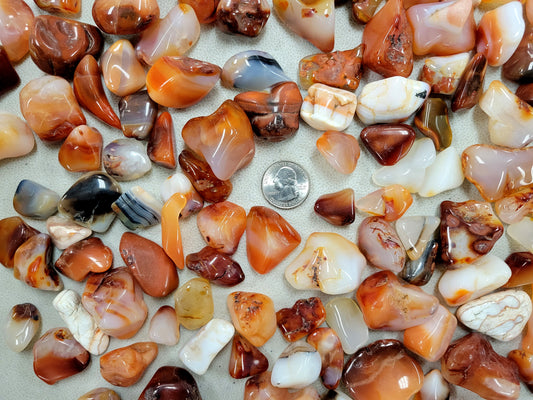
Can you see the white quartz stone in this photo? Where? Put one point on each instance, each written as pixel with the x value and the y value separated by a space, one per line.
pixel 65 232
pixel 522 232
pixel 445 173
pixel 434 387
pixel 297 367
pixel 346 319
pixel 415 232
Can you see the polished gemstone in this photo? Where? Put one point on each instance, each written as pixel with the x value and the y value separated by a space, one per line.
pixel 388 143
pixel 170 228
pixel 345 318
pixel 164 326
pixel 170 383
pixel 260 387
pixel 23 323
pixel 13 233
pixel 34 200
pixel 364 10
pixel 443 73
pixel 415 232
pixel 138 113
pixel 126 159
pixel 525 92
pixel 328 345
pixel 9 79
pixel 445 173
pixel 470 85
pixel 16 21
pixel 137 208
pixel 341 150
pixel 520 232
pixel 218 268
pixel 301 319
pixel 298 366
pixel 519 67
pixel 432 120
pixel 60 6
pixel 15 135
pixel 100 394
pixel 205 9
pixel 390 202
pixel 82 150
pixel 521 264
pixel 337 208
pixel 81 258
pixel 419 271
pixel 243 17
pixel 179 183
pixel 193 302
pixel 126 365
pixel 245 359
pixel 124 17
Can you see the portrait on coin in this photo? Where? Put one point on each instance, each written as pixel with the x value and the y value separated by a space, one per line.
pixel 285 183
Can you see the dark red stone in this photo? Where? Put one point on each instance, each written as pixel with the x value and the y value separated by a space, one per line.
pixel 519 67
pixel 13 232
pixel 9 78
pixel 171 383
pixel 521 264
pixel 388 143
pixel 337 208
pixel 302 318
pixel 161 144
pixel 525 92
pixel 470 85
pixel 218 268
pixel 245 359
pixel 244 17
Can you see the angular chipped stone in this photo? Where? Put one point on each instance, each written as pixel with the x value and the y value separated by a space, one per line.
pixel 126 365
pixel 388 143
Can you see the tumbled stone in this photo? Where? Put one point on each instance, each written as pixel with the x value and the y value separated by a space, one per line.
pixel 13 233
pixel 524 363
pixel 193 302
pixel 83 257
pixel 443 73
pixel 419 271
pixel 170 228
pixel 470 85
pixel 124 17
pixel 445 173
pixel 297 322
pixel 391 202
pixel 82 150
pixel 34 200
pixel 245 359
pixel 363 11
pixel 415 232
pixel 432 120
pixel 169 383
pixel 388 143
pixel 15 135
pixel 435 387
pixel 23 323
pixel 138 113
pixel 518 68
pixel 242 17
pixel 260 387
pixel 100 394
pixel 205 9
pixel 337 208
pixel 341 150
pixel 219 268
pixel 161 147
pixel 180 183
pixel 521 233
pixel 514 207
pixel 126 159
pixel 346 319
pixel 60 6
pixel 299 356
pixel 164 326
pixel 10 78
pixel 126 365
pixel 137 208
pixel 521 265
pixel 16 20
pixel 525 92
pixel 328 345
pixel 65 232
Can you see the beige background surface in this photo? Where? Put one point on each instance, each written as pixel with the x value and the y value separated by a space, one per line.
pixel 41 165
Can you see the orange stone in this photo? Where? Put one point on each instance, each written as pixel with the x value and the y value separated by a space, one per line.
pixel 87 255
pixel 170 229
pixel 161 147
pixel 13 232
pixel 82 150
pixel 126 365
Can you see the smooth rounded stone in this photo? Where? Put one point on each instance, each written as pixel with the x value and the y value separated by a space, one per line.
pixel 100 394
pixel 33 200
pixel 341 150
pixel 58 44
pixel 16 20
pixel 10 78
pixel 126 365
pixel 390 202
pixel 431 339
pixel 79 322
pixel 83 257
pixel 329 263
pixel 521 233
pixel 274 115
pixel 521 264
pixel 298 366
pixel 443 73
pixel 60 6
pixel 150 266
pixel 181 82
pixel 511 209
pixel 445 173
pixel 138 113
pixel 415 232
pixel 179 183
pixel 115 300
pixel 525 92
pixel 303 317
pixel 380 244
pixel 193 302
pixel 170 229
pixel 381 55
pixel 207 184
pixel 253 316
pixel 346 319
pixel 443 28
pixel 337 208
pixel 170 383
pixel 205 10
pixel 138 208
pixel 124 17
pixel 389 303
pixel 252 70
pixel 13 233
pixel 362 12
pixel 432 121
pixel 473 280
pixel 472 363
pixel 340 69
pixel 435 387
pixel 242 17
pixel 198 353
pixel 388 143
pixel 23 323
pixel 161 147
pixel 82 150
pixel 326 108
pixel 57 355
pixel 50 108
pixel 470 84
pixel 328 345
pixel 16 137
pixel 419 271
pixel 383 369
pixel 215 266
pixel 391 100
pixel 245 359
pixel 524 363
pixel 126 159
pixel 518 68
pixel 32 264
pixel 165 327
pixel 64 232
pixel 260 387
pixel 123 74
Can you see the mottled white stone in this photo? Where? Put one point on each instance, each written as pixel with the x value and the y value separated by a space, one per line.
pixel 65 232
pixel 297 367
pixel 449 69
pixel 445 173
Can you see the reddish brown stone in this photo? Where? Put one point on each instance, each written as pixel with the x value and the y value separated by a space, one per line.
pixel 244 17
pixel 245 359
pixel 364 10
pixel 525 92
pixel 519 67
pixel 13 232
pixel 126 365
pixel 87 255
pixel 82 150
pixel 521 264
pixel 337 208
pixel 9 78
pixel 161 144
pixel 329 346
pixel 218 268
pixel 302 318
pixel 388 143
pixel 125 17
pixel 170 383
pixel 205 9
pixel 470 85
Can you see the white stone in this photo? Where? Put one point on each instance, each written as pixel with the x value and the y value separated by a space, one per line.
pixel 434 387
pixel 346 319
pixel 177 183
pixel 65 232
pixel 164 327
pixel 444 69
pixel 200 350
pixel 522 232
pixel 445 173
pixel 297 367
pixel 415 232
pixel 502 315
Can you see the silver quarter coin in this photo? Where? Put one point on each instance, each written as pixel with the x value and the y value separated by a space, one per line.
pixel 285 184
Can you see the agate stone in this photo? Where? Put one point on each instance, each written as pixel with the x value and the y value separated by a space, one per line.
pixel 9 78
pixel 100 394
pixel 15 135
pixel 193 302
pixel 328 345
pixel 126 365
pixel 341 150
pixel 161 146
pixel 388 143
pixel 81 258
pixel 432 120
pixel 13 233
pixel 345 318
pixel 245 359
pixel 23 324
pixel 138 113
pixel 170 383
pixel 519 67
pixel 126 159
pixel 244 17
pixel 82 150
pixel 60 6
pixel 124 17
pixel 33 200
pixel 16 21
pixel 137 208
pixel 217 267
pixel 337 208
pixel 470 85
pixel 303 317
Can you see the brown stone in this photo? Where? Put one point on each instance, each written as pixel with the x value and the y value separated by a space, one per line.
pixel 519 67
pixel 125 17
pixel 302 318
pixel 83 257
pixel 388 143
pixel 245 359
pixel 13 232
pixel 243 17
pixel 521 264
pixel 470 85
pixel 219 268
pixel 9 79
pixel 337 208
pixel 126 365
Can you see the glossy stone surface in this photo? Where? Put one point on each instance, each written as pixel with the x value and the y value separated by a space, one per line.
pixel 518 68
pixel 260 387
pixel 345 318
pixel 81 258
pixel 245 359
pixel 15 135
pixel 363 11
pixel 170 228
pixel 470 85
pixel 303 317
pixel 472 363
pixel 16 20
pixel 100 394
pixel 525 92
pixel 432 120
pixel 435 387
pixel 126 365
pixel 193 302
pixel 340 150
pixel 181 82
pixel 169 383
pixel 205 10
pixel 82 150
pixel 511 209
pixel 22 325
pixel 137 208
pixel 57 355
pixel 520 232
pixel 138 113
pixel 65 232
pixel 391 202
pixel 161 144
pixel 13 233
pixel 219 268
pixel 384 370
pixel 124 17
pixel 10 78
pixel 126 159
pixel 242 17
pixel 445 173
pixel 60 6
pixel 443 73
pixel 180 183
pixel 164 326
pixel 419 272
pixel 521 264
pixel 298 366
pixel 388 143
pixel 328 345
pixel 523 361
pixel 337 208
pixel 34 200
pixel 50 108
pixel 274 115
pixel 415 232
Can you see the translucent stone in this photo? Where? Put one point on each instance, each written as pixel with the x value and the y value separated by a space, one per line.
pixel 125 17
pixel 245 359
pixel 169 382
pixel 340 69
pixel 341 150
pixel 432 120
pixel 431 339
pixel 164 326
pixel 269 238
pixel 60 6
pixel 391 202
pixel 470 84
pixel 123 73
pixel 82 150
pixel 50 108
pixel 388 143
pixel 172 35
pixel 218 268
pixel 329 263
pixel 205 9
pixel 65 232
pixel 126 365
pixel 525 92
pixel 328 345
pixel 126 159
pixel 337 208
pixel 304 17
pixel 521 264
pixel 524 362
pixel 181 82
pixel 518 68
pixel 521 233
pixel 16 20
pixel 252 70
pixel 363 11
pixel 383 369
pixel 138 208
pixel 33 200
pixel 443 73
pixel 303 317
pixel 470 281
pixel 170 228
pixel 85 256
pixel 443 28
pixel 415 232
pixel 242 17
pixel 138 113
pixel 200 350
pixel 346 319
pixel 100 394
pixel 435 387
pixel 13 233
pixel 511 209
pixel 253 316
pixel 179 183
pixel 10 77
pixel 193 302
pixel 32 264
pixel 15 135
pixel 389 303
pixel 260 387
pixel 57 355
pixel 445 173
pixel 161 146
pixel 390 100
pixel 23 323
pixel 150 266
pixel 419 272
pixel 115 300
pixel 297 367
pixel 382 55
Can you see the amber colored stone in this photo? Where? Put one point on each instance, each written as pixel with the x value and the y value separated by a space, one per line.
pixel 524 363
pixel 170 383
pixel 100 394
pixel 390 202
pixel 521 264
pixel 219 268
pixel 337 208
pixel 472 363
pixel 519 67
pixel 126 365
pixel 60 6
pixel 82 150
pixel 388 41
pixel 124 17
pixel 9 78
pixel 170 228
pixel 299 320
pixel 244 17
pixel 388 143
pixel 253 316
pixel 260 387
pixel 205 9
pixel 81 258
pixel 341 150
pixel 245 359
pixel 16 20
pixel 364 10
pixel 329 346
pixel 274 115
pixel 194 303
pixel 161 147
pixel 470 85
pixel 58 44
pixel 13 232
pixel 269 238
pixel 382 370
pixel 527 340
pixel 432 121
pixel 525 92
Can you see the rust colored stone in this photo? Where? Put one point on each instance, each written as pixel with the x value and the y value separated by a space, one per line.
pixel 82 150
pixel 519 67
pixel 161 147
pixel 525 92
pixel 170 383
pixel 126 365
pixel 302 318
pixel 245 359
pixel 364 10
pixel 218 268
pixel 124 17
pixel 60 6
pixel 388 143
pixel 521 264
pixel 13 232
pixel 205 9
pixel 81 258
pixel 337 208
pixel 243 17
pixel 470 85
